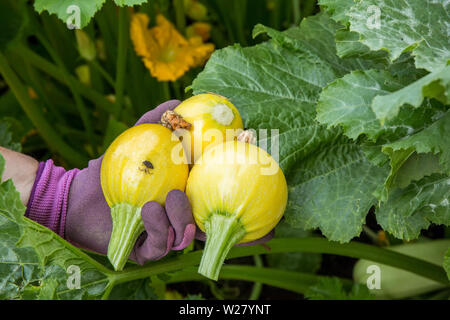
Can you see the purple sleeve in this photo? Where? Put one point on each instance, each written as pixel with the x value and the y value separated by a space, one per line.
pixel 48 199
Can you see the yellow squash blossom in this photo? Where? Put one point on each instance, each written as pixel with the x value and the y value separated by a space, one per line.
pixel 164 51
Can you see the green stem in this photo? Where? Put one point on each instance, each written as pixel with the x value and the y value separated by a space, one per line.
pixel 127 226
pixel 257 286
pixel 240 8
pixel 308 7
pixel 317 245
pixel 103 72
pixel 44 65
pixel 121 62
pixel 37 84
pixel 296 10
pixel 165 90
pixel 180 16
pixel 289 280
pixel 38 119
pixel 222 233
pixel 78 100
pixel 176 90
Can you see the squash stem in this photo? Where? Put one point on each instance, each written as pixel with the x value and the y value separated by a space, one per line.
pixel 127 226
pixel 222 233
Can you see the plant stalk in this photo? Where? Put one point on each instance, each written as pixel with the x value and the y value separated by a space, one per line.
pixel 44 65
pixel 222 233
pixel 127 226
pixel 85 117
pixel 257 286
pixel 279 245
pixel 121 62
pixel 180 16
pixel 44 128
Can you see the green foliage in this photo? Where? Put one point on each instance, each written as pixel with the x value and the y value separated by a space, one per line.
pixel 13 22
pixel 447 263
pixel 415 207
pixel 405 26
pixel 295 261
pixel 87 9
pixel 34 259
pixel 334 289
pixel 61 8
pixel 6 137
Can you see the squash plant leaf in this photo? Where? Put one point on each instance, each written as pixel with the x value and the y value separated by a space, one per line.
pixel 276 85
pixel 333 288
pixel 420 130
pixel 353 110
pixel 434 85
pixel 337 9
pixel 415 207
pixel 66 9
pixel 419 26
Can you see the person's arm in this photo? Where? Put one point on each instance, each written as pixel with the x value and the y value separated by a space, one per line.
pixel 22 170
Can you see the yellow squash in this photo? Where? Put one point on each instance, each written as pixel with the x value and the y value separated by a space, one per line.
pixel 238 194
pixel 210 115
pixel 138 167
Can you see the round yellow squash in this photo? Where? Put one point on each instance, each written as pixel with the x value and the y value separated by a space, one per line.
pixel 238 194
pixel 210 115
pixel 138 167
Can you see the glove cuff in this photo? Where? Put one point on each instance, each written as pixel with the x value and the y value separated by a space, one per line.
pixel 49 196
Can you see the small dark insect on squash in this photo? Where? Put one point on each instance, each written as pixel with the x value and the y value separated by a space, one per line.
pixel 147 166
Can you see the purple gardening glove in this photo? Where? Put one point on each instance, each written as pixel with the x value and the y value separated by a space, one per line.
pixel 72 204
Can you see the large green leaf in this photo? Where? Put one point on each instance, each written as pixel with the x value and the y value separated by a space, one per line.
pixel 434 85
pixel 337 9
pixel 68 9
pixel 347 102
pixel 414 208
pixel 275 85
pixel 65 9
pixel 433 139
pixel 333 190
pixel 420 26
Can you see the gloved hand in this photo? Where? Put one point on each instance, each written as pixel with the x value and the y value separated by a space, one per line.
pixel 72 204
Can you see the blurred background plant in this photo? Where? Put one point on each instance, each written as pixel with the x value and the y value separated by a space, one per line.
pixel 66 94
